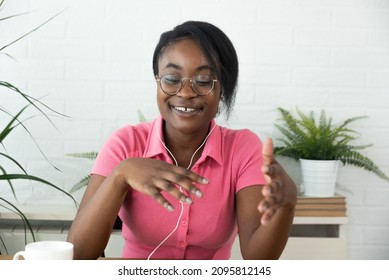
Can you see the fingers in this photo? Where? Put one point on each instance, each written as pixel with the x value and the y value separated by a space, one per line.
pixel 268 208
pixel 267 215
pixel 174 183
pixel 185 179
pixel 270 169
pixel 155 192
pixel 161 200
pixel 279 189
pixel 267 151
pixel 272 191
pixel 152 176
pixel 273 195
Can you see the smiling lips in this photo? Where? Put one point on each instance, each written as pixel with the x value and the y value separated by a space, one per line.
pixel 185 109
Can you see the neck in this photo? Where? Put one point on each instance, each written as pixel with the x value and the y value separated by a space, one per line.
pixel 186 149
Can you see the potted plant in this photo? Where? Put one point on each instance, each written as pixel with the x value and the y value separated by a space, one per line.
pixel 10 122
pixel 317 143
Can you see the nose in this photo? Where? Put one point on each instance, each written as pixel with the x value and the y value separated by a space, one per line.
pixel 187 90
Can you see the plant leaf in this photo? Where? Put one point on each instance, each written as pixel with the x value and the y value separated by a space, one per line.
pixel 34 178
pixel 25 220
pixel 9 17
pixel 31 31
pixel 9 182
pixel 357 159
pixel 80 184
pixel 8 128
pixel 86 155
pixel 141 117
pixel 31 100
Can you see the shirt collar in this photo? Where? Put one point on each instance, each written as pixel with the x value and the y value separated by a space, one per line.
pixel 154 145
pixel 212 148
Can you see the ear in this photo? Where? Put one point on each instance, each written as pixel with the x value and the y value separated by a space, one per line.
pixel 219 110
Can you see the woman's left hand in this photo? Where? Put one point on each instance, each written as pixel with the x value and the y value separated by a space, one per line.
pixel 280 190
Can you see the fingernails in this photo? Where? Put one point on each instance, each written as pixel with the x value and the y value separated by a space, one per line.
pixel 205 181
pixel 198 193
pixel 169 208
pixel 265 221
pixel 188 200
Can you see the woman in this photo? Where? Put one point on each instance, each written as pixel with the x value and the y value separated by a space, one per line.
pixel 183 185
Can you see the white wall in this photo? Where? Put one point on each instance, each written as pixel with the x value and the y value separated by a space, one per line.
pixel 94 64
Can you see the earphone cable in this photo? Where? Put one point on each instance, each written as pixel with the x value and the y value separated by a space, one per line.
pixel 181 203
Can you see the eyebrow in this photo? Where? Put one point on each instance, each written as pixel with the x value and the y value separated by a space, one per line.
pixel 178 67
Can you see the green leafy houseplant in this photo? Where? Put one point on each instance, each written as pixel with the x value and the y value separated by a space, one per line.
pixel 304 137
pixel 12 122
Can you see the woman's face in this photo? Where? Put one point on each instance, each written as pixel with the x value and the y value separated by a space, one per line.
pixel 186 111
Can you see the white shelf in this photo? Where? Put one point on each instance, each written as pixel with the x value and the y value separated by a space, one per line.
pixel 39 212
pixel 325 240
pixel 312 238
pixel 320 220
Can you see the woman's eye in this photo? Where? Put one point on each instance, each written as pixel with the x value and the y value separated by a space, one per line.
pixel 203 79
pixel 170 79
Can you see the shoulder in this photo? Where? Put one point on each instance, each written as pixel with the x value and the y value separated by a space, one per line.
pixel 128 130
pixel 237 137
pixel 128 139
pixel 242 146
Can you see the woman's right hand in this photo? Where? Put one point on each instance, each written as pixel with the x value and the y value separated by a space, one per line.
pixel 152 176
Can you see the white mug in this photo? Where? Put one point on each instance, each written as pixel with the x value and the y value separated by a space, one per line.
pixel 46 250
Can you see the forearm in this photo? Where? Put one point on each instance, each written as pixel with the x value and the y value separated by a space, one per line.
pixel 268 241
pixel 91 229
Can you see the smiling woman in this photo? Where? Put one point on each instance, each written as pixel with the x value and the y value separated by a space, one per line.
pixel 212 181
pixel 187 110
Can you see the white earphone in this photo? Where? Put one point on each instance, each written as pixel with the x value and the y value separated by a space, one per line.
pixel 181 203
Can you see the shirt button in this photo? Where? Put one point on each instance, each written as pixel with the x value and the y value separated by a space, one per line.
pixel 182 244
pixel 184 223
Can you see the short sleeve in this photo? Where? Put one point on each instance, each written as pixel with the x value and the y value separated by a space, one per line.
pixel 248 160
pixel 112 153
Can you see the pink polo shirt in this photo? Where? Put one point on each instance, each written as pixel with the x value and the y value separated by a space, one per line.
pixel 231 160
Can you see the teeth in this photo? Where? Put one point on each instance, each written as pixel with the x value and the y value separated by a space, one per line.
pixel 185 109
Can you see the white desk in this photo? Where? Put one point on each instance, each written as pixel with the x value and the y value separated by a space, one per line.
pixel 311 237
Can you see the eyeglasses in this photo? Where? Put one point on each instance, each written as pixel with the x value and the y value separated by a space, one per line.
pixel 172 84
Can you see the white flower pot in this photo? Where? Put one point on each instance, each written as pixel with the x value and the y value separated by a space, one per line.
pixel 319 177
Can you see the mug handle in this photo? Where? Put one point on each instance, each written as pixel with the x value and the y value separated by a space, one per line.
pixel 18 255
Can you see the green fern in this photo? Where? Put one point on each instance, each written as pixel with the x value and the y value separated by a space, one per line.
pixel 87 155
pixel 304 137
pixel 85 180
pixel 80 184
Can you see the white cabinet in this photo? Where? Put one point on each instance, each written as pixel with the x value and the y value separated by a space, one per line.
pixel 312 238
pixel 317 238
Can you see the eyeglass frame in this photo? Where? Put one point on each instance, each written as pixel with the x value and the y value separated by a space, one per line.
pixel 158 80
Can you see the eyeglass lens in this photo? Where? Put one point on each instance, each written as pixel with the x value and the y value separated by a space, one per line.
pixel 201 84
